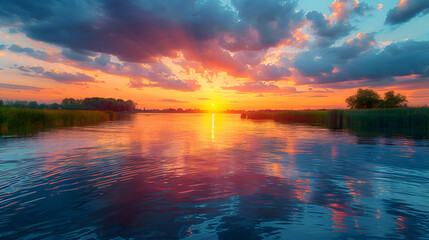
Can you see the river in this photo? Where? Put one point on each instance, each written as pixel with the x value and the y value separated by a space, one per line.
pixel 212 176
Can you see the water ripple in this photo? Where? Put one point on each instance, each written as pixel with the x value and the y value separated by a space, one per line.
pixel 164 176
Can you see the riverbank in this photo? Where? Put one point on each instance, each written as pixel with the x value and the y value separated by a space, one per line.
pixel 407 122
pixel 27 121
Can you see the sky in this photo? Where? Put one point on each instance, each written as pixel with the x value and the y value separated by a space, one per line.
pixel 236 54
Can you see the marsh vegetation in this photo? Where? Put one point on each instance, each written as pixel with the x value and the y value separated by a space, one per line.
pixel 27 121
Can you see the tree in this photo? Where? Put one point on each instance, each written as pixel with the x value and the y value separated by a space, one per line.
pixel 1 103
pixel 32 105
pixel 393 101
pixel 364 99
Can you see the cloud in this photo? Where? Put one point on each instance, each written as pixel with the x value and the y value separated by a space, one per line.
pixel 397 59
pixel 62 77
pixel 269 72
pixel 140 31
pixel 41 55
pixel 316 62
pixel 329 29
pixel 316 96
pixel 2 47
pixel 326 32
pixel 154 74
pixel 420 94
pixel 20 87
pixel 176 44
pixel 68 78
pixel 260 87
pixel 341 10
pixel 172 101
pixel 171 84
pixel 271 21
pixel 357 63
pixel 76 56
pixel 405 10
pixel 205 99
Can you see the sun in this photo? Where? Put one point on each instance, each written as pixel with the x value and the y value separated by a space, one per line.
pixel 212 104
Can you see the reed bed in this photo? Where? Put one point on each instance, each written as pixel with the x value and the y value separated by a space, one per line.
pixel 23 121
pixel 309 117
pixel 408 122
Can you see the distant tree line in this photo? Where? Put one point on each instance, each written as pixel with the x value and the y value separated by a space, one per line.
pixel 368 98
pixel 103 104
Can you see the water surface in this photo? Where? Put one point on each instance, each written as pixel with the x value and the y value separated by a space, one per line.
pixel 204 176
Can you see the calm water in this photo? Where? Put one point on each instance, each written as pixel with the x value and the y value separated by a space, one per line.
pixel 198 176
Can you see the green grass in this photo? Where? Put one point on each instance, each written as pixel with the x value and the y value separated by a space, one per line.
pixel 309 117
pixel 24 121
pixel 408 122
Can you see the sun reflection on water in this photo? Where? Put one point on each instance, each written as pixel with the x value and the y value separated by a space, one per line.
pixel 158 170
pixel 213 125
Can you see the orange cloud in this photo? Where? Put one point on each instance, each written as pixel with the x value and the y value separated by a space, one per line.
pixel 338 9
pixel 402 3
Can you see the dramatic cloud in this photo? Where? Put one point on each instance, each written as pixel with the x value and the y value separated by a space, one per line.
pixel 327 33
pixel 358 60
pixel 271 21
pixel 19 87
pixel 317 62
pixel 406 10
pixel 396 59
pixel 329 29
pixel 149 75
pixel 140 31
pixel 201 45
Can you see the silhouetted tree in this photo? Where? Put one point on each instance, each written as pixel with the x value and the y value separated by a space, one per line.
pixel 364 99
pixel 393 101
pixel 32 104
pixel 1 103
pixel 117 105
pixel 54 106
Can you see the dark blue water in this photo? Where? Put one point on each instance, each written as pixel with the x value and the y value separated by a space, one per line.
pixel 198 176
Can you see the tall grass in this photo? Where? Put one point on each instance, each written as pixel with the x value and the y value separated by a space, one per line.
pixel 408 122
pixel 22 121
pixel 309 117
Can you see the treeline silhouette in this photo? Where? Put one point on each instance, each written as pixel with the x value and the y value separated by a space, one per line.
pixel 102 104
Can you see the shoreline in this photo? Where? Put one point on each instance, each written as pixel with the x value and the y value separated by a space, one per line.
pixel 29 121
pixel 405 122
